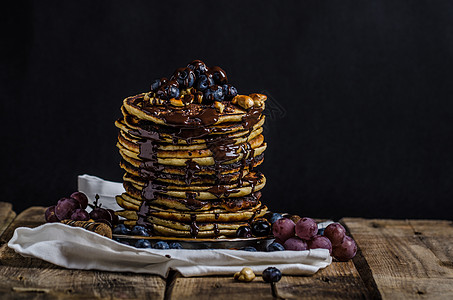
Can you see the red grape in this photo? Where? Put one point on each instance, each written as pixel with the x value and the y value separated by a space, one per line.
pixel 335 232
pixel 346 250
pixel 283 229
pixel 80 215
pixel 65 207
pixel 81 197
pixel 99 213
pixel 319 241
pixel 306 228
pixel 295 244
pixel 50 215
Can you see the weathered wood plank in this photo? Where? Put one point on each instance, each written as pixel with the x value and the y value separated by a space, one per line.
pixel 36 279
pixel 340 280
pixel 407 258
pixel 7 215
pixel 217 287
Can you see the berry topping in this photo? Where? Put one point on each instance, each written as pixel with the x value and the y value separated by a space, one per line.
pixel 121 229
pixel 175 245
pixel 185 77
pixel 218 74
pixel 275 247
pixel 161 245
pixel 261 227
pixel 168 90
pixel 204 81
pixel 248 248
pixel 244 232
pixel 155 85
pixel 229 91
pixel 139 230
pixel 272 274
pixel 143 244
pixel 198 67
pixel 214 93
pixel 272 218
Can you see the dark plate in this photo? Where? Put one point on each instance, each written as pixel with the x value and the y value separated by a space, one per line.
pixel 260 243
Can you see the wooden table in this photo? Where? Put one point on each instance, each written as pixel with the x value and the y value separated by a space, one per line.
pixel 397 259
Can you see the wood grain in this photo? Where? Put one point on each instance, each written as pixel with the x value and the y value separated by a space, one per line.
pixel 7 215
pixel 26 278
pixel 217 287
pixel 340 280
pixel 407 258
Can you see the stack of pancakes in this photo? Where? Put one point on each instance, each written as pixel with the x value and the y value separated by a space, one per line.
pixel 189 164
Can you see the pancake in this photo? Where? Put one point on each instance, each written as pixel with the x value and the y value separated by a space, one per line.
pixel 189 153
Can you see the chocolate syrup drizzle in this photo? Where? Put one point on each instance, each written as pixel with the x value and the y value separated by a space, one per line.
pixel 193 121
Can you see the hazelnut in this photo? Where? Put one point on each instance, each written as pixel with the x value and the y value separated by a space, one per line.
pixel 246 275
pixel 219 106
pixel 243 101
pixel 147 96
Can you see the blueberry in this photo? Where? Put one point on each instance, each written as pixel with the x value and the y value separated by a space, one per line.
pixel 249 248
pixel 143 244
pixel 261 227
pixel 229 91
pixel 168 90
pixel 272 274
pixel 214 93
pixel 161 245
pixel 198 67
pixel 244 232
pixel 184 76
pixel 218 74
pixel 175 245
pixel 139 230
pixel 155 85
pixel 121 229
pixel 204 82
pixel 275 247
pixel 274 217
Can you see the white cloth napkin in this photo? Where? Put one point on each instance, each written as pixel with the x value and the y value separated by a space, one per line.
pixel 77 248
pixel 107 190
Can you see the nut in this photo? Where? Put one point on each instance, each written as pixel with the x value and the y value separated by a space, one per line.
pixel 246 275
pixel 219 106
pixel 259 97
pixel 243 101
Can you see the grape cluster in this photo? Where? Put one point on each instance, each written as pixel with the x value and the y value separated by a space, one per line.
pixel 211 82
pixel 304 235
pixel 74 208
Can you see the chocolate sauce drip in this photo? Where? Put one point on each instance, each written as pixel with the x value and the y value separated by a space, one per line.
pixel 194 229
pixel 221 190
pixel 251 117
pixel 216 229
pixel 216 216
pixel 191 202
pixel 142 214
pixel 191 168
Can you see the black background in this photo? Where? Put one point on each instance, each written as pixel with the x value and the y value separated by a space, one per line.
pixel 365 90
